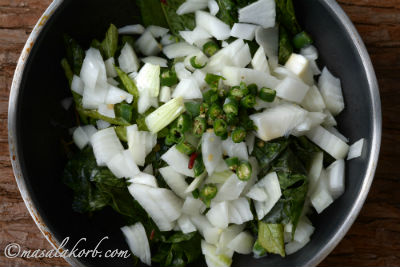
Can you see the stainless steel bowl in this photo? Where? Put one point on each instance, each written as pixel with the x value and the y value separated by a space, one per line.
pixel 35 125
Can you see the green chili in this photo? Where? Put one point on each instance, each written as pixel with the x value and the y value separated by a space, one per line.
pixel 211 96
pixel 233 163
pixel 185 148
pixel 198 167
pixel 168 78
pixel 231 106
pixel 249 101
pixel 221 128
pixel 184 123
pixel 244 171
pixel 195 64
pixel 253 89
pixel 302 40
pixel 199 126
pixel 267 94
pixel 210 48
pixel 207 193
pixel 238 134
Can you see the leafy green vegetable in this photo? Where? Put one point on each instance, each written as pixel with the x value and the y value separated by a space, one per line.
pixel 285 45
pixel 75 54
pixel 129 84
pixel 152 13
pixel 177 23
pixel 121 133
pixel 124 111
pixel 286 15
pixel 228 10
pixel 270 237
pixel 110 43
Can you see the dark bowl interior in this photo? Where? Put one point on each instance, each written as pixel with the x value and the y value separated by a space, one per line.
pixel 41 122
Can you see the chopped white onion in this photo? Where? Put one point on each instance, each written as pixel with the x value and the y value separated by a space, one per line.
pixel 261 13
pixel 77 85
pixel 165 114
pixel 135 236
pixel 123 165
pixel 196 183
pixel 157 31
pixel 233 149
pixel 110 68
pixel 187 89
pixel 331 91
pixel 292 90
pixel 230 190
pixel 269 40
pixel 80 138
pixel 239 211
pixel 218 215
pixel 193 37
pixel 213 7
pixel 336 132
pixel 175 181
pixel 191 6
pixel 328 142
pixel 243 57
pixel 116 95
pixel 193 206
pixel 300 66
pixel 260 62
pixel 102 124
pixel 148 79
pixel 185 224
pixel 128 61
pixel 242 243
pixel 313 100
pixel 213 25
pixel 168 39
pixel 211 149
pixel 244 31
pixel 106 110
pixel 181 49
pixel 278 121
pixel 162 62
pixel 356 149
pixel 140 143
pixel 93 97
pixel 105 145
pixel 335 173
pixel 147 44
pixel 165 94
pixel 329 120
pixel 131 29
pixel 178 161
pixel 321 198
pixel 234 75
pixel 270 184
pixel 93 71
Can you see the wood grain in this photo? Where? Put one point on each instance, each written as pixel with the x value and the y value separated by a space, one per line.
pixel 374 239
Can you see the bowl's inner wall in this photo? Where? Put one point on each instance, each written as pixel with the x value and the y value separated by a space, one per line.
pixel 40 117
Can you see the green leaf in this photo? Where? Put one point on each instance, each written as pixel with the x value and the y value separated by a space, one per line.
pixel 110 43
pixel 177 23
pixel 152 13
pixel 128 84
pixel 228 12
pixel 294 203
pixel 75 54
pixel 180 237
pixel 270 236
pixel 285 45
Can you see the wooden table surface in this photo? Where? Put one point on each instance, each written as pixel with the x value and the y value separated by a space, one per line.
pixel 374 239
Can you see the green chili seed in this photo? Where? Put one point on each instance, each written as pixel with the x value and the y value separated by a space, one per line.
pixel 199 126
pixel 207 193
pixel 302 40
pixel 220 128
pixel 210 48
pixel 238 135
pixel 236 93
pixel 203 109
pixel 211 96
pixel 267 94
pixel 185 148
pixel 233 163
pixel 184 123
pixel 249 101
pixel 176 135
pixel 244 171
pixel 215 111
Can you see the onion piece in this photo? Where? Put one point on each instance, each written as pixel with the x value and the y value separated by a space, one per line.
pixel 178 161
pixel 300 66
pixel 168 39
pixel 148 79
pixel 193 37
pixel 213 258
pixel 116 95
pixel 80 138
pixel 218 215
pixel 135 236
pixel 242 243
pixel 314 173
pixel 270 184
pixel 102 124
pixel 213 7
pixel 106 110
pixel 244 31
pixel 175 181
pixel 123 165
pixel 211 148
pixel 147 44
pixel 162 62
pixel 187 89
pixel 165 94
pixel 226 237
pixel 128 61
pixel 335 131
pixel 157 31
pixel 165 114
pixel 331 91
pixel 234 75
pixel 77 85
pixel 199 76
pixel 131 29
pixel 230 190
pixel 328 142
pixel 233 149
pixel 186 225
pixel 260 62
pixel 278 121
pixel 144 179
pixel 239 211
pixel 193 206
pixel 191 6
pixel 243 57
pixel 105 145
pixel 329 120
pixel 313 100
pixel 321 197
pixel 292 90
pixel 140 143
pixel 181 49
pixel 93 71
pixel 335 173
pixel 196 183
pixel 356 149
pixel 269 40
pixel 261 13
pixel 213 25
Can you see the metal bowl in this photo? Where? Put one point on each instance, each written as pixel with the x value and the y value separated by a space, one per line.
pixel 35 119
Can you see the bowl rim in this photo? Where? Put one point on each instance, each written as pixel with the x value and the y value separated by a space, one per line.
pixel 331 5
